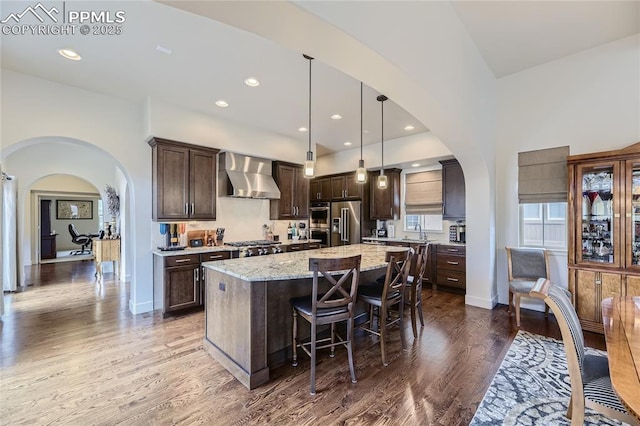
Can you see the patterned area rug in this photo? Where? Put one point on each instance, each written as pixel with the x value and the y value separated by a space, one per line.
pixel 532 386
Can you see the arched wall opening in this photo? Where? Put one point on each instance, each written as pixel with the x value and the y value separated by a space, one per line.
pixel 39 158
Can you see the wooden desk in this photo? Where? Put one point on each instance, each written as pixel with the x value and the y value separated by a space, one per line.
pixel 106 251
pixel 621 319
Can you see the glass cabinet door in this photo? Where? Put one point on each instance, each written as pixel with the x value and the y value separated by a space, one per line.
pixel 599 220
pixel 632 213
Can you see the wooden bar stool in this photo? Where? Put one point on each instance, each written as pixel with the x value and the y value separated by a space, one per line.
pixel 336 305
pixel 414 287
pixel 385 297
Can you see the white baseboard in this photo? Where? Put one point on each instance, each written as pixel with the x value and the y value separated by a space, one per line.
pixel 480 303
pixel 140 308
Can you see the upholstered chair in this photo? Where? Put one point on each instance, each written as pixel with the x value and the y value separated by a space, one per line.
pixel 525 266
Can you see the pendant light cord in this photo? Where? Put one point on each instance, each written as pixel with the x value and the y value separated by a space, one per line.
pixel 310 103
pixel 382 137
pixel 361 121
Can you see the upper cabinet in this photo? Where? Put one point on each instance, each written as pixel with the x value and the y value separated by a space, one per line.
pixel 320 189
pixel 183 181
pixel 385 203
pixel 345 187
pixel 453 192
pixel 294 192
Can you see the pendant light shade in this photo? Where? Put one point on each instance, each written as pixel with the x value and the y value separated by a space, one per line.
pixel 361 172
pixel 309 165
pixel 382 179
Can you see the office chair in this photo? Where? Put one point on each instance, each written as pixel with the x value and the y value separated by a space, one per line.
pixel 83 240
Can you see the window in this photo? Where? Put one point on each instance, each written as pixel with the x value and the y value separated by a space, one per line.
pixel 428 222
pixel 543 225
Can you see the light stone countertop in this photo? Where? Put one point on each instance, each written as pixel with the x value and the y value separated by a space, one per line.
pixel 211 249
pixel 193 250
pixel 295 265
pixel 410 241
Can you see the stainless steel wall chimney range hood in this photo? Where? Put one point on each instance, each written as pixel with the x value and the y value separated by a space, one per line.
pixel 245 177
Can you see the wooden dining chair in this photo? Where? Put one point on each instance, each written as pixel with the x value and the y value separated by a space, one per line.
pixel 385 297
pixel 524 267
pixel 334 306
pixel 589 374
pixel 414 286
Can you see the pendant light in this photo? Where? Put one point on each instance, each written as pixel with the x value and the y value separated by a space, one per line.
pixel 382 179
pixel 309 166
pixel 361 172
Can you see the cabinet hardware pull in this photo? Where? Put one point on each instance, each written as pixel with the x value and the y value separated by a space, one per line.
pixel 616 215
pixel 192 209
pixel 195 276
pixel 195 284
pixel 219 256
pixel 452 279
pixel 182 260
pixel 203 274
pixel 391 211
pixel 452 263
pixel 186 208
pixel 452 250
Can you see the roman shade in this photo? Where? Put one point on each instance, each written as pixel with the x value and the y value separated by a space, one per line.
pixel 542 175
pixel 423 192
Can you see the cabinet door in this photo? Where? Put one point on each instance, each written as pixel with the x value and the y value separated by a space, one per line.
pixel 314 190
pixel 385 203
pixel 301 195
pixel 286 183
pixel 632 214
pixel 337 188
pixel 182 287
pixel 598 214
pixel 453 191
pixel 202 185
pixel 325 189
pixel 633 286
pixel 591 288
pixel 171 182
pixel 353 190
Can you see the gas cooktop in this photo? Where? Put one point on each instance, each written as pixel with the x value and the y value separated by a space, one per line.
pixel 252 243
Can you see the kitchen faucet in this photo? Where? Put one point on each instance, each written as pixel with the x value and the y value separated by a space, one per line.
pixel 421 236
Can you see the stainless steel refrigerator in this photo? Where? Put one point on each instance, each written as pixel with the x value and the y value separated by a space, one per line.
pixel 345 223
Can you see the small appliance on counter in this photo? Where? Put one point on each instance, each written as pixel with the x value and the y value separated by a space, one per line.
pixel 457 232
pixel 172 232
pixel 302 231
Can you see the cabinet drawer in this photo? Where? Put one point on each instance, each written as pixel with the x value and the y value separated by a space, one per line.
pixel 451 278
pixel 216 255
pixel 312 246
pixel 187 259
pixel 295 247
pixel 398 244
pixel 451 262
pixel 442 248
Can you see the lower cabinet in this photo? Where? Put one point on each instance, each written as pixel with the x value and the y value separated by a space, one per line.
pixel 590 288
pixel 179 280
pixel 451 266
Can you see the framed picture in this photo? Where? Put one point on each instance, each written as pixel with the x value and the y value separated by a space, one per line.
pixel 74 209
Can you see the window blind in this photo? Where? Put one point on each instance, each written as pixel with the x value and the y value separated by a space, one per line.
pixel 542 175
pixel 423 192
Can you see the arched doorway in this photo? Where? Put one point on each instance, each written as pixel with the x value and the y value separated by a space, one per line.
pixel 38 159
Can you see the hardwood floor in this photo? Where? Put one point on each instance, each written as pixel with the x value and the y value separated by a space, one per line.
pixel 72 353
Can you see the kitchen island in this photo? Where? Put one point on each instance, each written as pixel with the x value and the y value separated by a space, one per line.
pixel 248 316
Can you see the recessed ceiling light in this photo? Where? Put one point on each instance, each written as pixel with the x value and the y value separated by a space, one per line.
pixel 251 82
pixel 222 104
pixel 336 117
pixel 70 54
pixel 347 143
pixel 415 165
pixel 409 127
pixel 164 50
pixel 302 129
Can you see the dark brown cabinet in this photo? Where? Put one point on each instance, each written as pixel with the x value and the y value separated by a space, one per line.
pixel 385 203
pixel 294 192
pixel 179 281
pixel 183 181
pixel 344 187
pixel 453 191
pixel 451 266
pixel 47 240
pixel 320 189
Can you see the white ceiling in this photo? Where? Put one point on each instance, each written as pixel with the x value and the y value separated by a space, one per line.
pixel 210 61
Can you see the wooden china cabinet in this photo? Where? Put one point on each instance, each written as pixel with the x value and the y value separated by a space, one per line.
pixel 604 230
